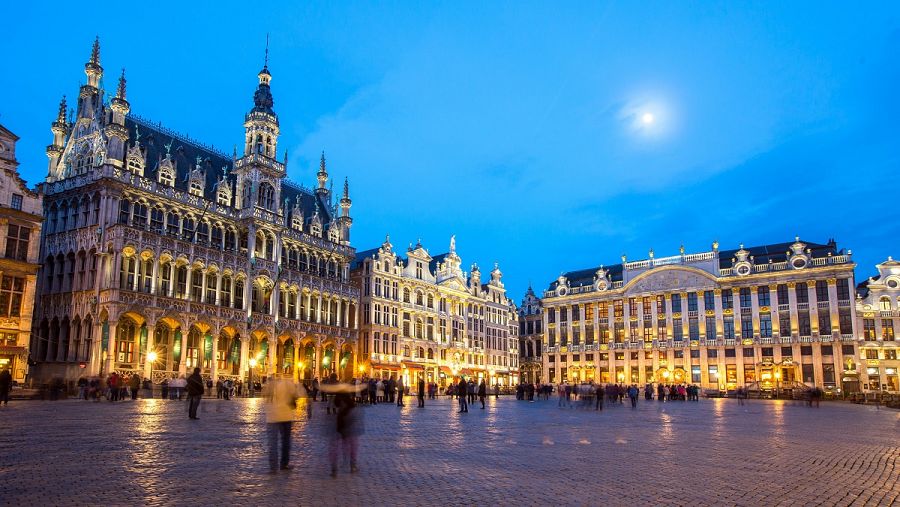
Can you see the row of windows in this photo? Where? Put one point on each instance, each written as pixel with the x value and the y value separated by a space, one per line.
pixel 870 332
pixel 696 353
pixel 645 305
pixel 618 331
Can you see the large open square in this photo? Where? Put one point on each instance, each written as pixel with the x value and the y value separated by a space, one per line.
pixel 676 453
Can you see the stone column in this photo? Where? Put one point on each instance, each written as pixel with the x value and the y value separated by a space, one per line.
pixel 701 316
pixel 626 319
pixel 203 287
pixel 218 301
pixel 669 318
pixel 319 309
pixel 111 348
pixel 155 275
pixel 294 366
pixel 273 349
pixel 719 312
pixel 774 311
pixel 833 309
pixel 813 307
pixel 214 364
pixel 338 320
pixel 245 355
pixel 792 301
pixel 754 310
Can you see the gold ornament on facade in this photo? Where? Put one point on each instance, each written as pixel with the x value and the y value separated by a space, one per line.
pixel 676 315
pixel 728 311
pixel 832 281
pixel 710 313
pixel 791 285
pixel 717 292
pixel 764 309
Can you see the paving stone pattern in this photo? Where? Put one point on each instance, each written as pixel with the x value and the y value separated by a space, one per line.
pixel 713 452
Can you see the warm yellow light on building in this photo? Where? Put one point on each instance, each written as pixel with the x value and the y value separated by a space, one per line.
pixel 151 356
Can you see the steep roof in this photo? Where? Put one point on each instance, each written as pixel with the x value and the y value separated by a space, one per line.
pixel 154 139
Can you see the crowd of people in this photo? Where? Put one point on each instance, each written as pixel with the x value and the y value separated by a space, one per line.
pixel 591 394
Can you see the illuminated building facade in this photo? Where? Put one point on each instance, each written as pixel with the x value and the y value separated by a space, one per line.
pixel 157 243
pixel 878 320
pixel 768 317
pixel 423 317
pixel 20 230
pixel 531 337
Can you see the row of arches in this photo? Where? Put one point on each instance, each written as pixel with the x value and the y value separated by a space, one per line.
pixel 68 214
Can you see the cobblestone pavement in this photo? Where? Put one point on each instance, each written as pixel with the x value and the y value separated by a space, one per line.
pixel 713 452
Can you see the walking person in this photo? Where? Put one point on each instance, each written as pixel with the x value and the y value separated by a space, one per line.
pixel 482 392
pixel 598 391
pixel 195 393
pixel 5 385
pixel 348 428
pixel 281 401
pixel 462 395
pixel 421 393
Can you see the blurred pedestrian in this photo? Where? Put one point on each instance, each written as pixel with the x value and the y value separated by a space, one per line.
pixel 421 392
pixel 281 397
pixel 461 395
pixel 195 393
pixel 633 395
pixel 134 384
pixel 482 392
pixel 348 428
pixel 5 385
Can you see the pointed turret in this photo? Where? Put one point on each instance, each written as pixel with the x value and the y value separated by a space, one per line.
pixel 92 68
pixel 344 219
pixel 59 128
pixel 119 104
pixel 322 175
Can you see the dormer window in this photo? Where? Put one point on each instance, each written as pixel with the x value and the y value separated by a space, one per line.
pixel 296 221
pixel 167 175
pixel 223 196
pixel 315 229
pixel 196 188
pixel 135 166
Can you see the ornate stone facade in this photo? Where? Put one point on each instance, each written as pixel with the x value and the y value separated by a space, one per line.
pixel 423 317
pixel 878 320
pixel 20 229
pixel 768 317
pixel 531 332
pixel 157 243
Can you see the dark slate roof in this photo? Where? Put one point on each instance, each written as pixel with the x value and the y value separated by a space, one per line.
pixel 583 277
pixel 777 252
pixel 184 152
pixel 361 256
pixel 437 259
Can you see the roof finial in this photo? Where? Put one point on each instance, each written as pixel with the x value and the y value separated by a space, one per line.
pixel 95 51
pixel 346 188
pixel 266 62
pixel 120 91
pixel 61 115
pixel 322 162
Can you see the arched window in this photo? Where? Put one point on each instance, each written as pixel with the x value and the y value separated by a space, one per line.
pixel 885 303
pixel 430 301
pixel 173 224
pixel 405 295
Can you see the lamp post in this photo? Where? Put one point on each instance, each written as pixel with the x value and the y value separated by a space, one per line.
pixel 250 382
pixel 151 358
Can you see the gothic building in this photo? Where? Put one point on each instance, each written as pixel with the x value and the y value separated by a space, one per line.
pixel 20 228
pixel 158 245
pixel 878 317
pixel 530 320
pixel 422 316
pixel 767 317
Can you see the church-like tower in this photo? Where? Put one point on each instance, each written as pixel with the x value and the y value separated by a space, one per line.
pixel 258 172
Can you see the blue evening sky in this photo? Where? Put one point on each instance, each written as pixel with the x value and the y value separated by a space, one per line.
pixel 519 126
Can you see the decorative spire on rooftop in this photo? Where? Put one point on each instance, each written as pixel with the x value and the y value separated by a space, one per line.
pixel 322 175
pixel 92 68
pixel 120 91
pixel 61 115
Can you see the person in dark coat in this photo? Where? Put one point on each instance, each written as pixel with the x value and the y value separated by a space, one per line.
pixel 5 385
pixel 348 428
pixel 461 395
pixel 195 393
pixel 421 393
pixel 482 392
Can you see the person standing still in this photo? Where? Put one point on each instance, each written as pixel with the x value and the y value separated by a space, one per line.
pixel 195 392
pixel 421 393
pixel 281 397
pixel 482 392
pixel 5 385
pixel 400 388
pixel 633 395
pixel 135 384
pixel 461 395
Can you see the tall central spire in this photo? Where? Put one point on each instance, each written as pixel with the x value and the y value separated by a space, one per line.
pixel 92 68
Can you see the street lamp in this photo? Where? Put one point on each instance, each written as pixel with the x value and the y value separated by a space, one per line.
pixel 777 382
pixel 250 383
pixel 151 358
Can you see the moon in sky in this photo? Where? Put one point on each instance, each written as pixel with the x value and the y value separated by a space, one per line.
pixel 647 118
